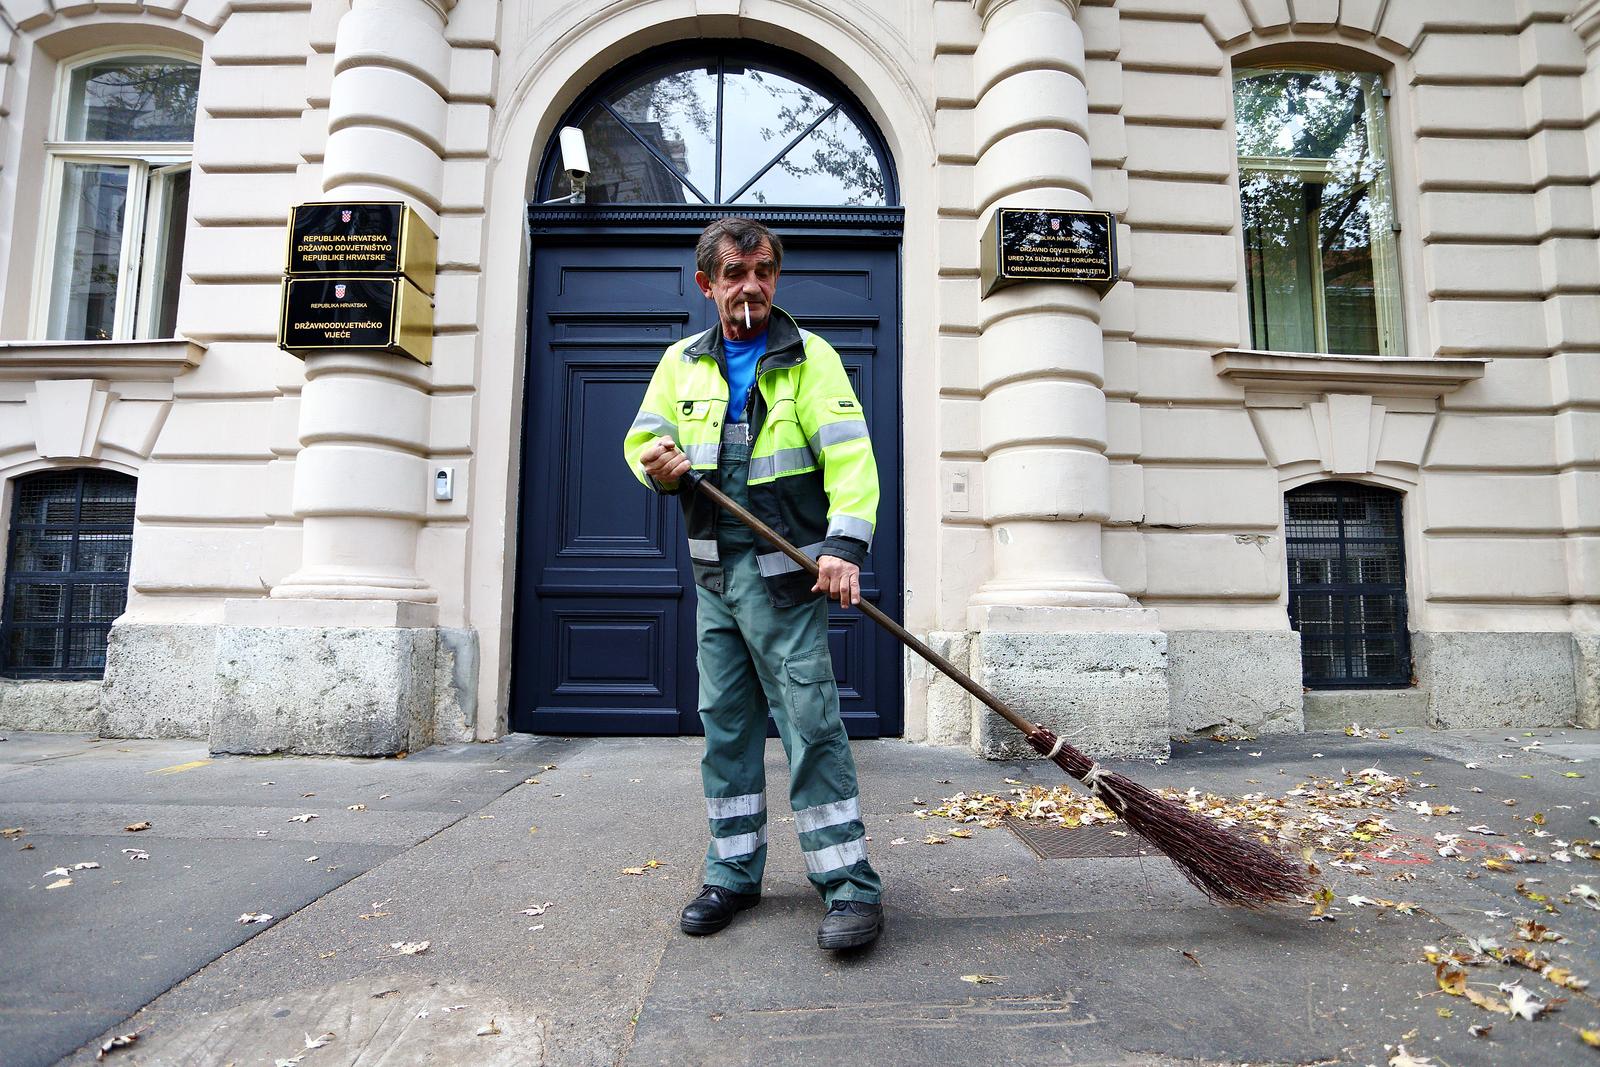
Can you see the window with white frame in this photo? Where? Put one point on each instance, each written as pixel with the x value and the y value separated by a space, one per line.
pixel 117 198
pixel 1321 266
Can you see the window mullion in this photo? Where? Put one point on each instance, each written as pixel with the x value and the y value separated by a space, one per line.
pixel 133 219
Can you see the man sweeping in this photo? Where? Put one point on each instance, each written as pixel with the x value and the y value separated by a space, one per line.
pixel 764 410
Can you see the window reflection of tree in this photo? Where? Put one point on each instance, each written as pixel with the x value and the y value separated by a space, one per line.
pixel 1307 172
pixel 835 148
pixel 147 102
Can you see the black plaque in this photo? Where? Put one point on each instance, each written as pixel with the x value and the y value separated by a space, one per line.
pixel 359 238
pixel 364 313
pixel 1058 246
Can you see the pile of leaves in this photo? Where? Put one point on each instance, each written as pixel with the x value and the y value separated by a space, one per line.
pixel 1333 815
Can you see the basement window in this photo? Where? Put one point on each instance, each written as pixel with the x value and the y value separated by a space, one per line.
pixel 67 559
pixel 1347 592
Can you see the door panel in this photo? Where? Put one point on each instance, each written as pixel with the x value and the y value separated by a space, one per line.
pixel 604 627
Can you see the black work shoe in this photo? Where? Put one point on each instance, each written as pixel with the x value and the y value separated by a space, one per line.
pixel 714 909
pixel 850 924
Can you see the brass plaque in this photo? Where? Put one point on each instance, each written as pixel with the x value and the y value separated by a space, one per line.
pixel 362 237
pixel 1024 244
pixel 390 313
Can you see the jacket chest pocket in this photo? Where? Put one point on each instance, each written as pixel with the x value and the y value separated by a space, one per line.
pixel 782 427
pixel 697 415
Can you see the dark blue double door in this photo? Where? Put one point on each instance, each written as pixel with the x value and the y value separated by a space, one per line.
pixel 605 605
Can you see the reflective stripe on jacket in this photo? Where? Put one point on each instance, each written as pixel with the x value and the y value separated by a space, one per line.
pixel 812 474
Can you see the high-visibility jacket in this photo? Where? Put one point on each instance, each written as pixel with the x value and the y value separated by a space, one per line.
pixel 812 474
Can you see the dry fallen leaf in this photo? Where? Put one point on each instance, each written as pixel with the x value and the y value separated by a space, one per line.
pixel 1587 894
pixel 1486 1002
pixel 1524 1005
pixel 539 909
pixel 983 979
pixel 1480 1029
pixel 60 883
pixel 633 870
pixel 1402 1058
pixel 319 1040
pixel 136 853
pixel 410 948
pixel 1320 900
pixel 961 833
pixel 253 917
pixel 1590 1037
pixel 491 1030
pixel 933 839
pixel 13 831
pixel 307 817
pixel 120 1041
pixel 356 807
pixel 134 828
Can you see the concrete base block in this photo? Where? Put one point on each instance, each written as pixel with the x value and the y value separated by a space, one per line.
pixel 160 681
pixel 455 686
pixel 1334 709
pixel 1478 680
pixel 950 707
pixel 1586 664
pixel 324 691
pixel 70 707
pixel 1235 680
pixel 1106 693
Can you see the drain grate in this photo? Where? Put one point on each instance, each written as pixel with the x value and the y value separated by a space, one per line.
pixel 1051 842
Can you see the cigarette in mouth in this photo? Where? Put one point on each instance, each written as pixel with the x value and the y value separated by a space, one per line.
pixel 747 314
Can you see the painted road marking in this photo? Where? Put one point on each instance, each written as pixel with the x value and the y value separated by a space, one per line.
pixel 180 768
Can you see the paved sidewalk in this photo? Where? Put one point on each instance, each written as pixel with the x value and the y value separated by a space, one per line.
pixel 1109 961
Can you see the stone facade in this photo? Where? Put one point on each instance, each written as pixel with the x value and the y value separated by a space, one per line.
pixel 1117 556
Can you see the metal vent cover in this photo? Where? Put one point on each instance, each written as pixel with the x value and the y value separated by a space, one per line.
pixel 1051 842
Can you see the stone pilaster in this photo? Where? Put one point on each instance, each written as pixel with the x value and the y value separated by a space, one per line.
pixel 1573 379
pixel 360 482
pixel 1054 636
pixel 342 657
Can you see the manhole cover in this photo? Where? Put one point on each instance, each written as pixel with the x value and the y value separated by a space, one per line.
pixel 1052 842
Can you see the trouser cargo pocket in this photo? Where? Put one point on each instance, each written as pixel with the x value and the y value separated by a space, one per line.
pixel 813 698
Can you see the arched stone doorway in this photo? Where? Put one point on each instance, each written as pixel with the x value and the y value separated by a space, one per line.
pixel 604 608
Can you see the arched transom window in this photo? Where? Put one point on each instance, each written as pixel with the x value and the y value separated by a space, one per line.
pixel 739 126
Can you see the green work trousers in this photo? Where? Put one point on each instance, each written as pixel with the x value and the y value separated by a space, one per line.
pixel 754 657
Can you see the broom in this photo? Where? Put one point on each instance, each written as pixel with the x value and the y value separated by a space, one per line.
pixel 1229 868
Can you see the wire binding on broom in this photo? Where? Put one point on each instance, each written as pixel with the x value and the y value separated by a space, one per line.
pixel 1226 866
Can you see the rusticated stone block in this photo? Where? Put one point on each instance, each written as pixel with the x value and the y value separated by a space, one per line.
pixel 324 691
pixel 1239 680
pixel 159 682
pixel 1106 693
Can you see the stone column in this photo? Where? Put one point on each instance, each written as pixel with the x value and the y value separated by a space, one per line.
pixel 1053 631
pixel 340 658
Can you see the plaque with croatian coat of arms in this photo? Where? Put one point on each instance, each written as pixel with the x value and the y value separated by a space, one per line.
pixel 359 275
pixel 1027 244
pixel 366 237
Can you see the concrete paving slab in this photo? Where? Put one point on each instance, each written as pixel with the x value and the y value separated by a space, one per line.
pixel 1092 952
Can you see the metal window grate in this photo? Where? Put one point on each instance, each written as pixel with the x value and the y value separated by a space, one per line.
pixel 67 562
pixel 1347 595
